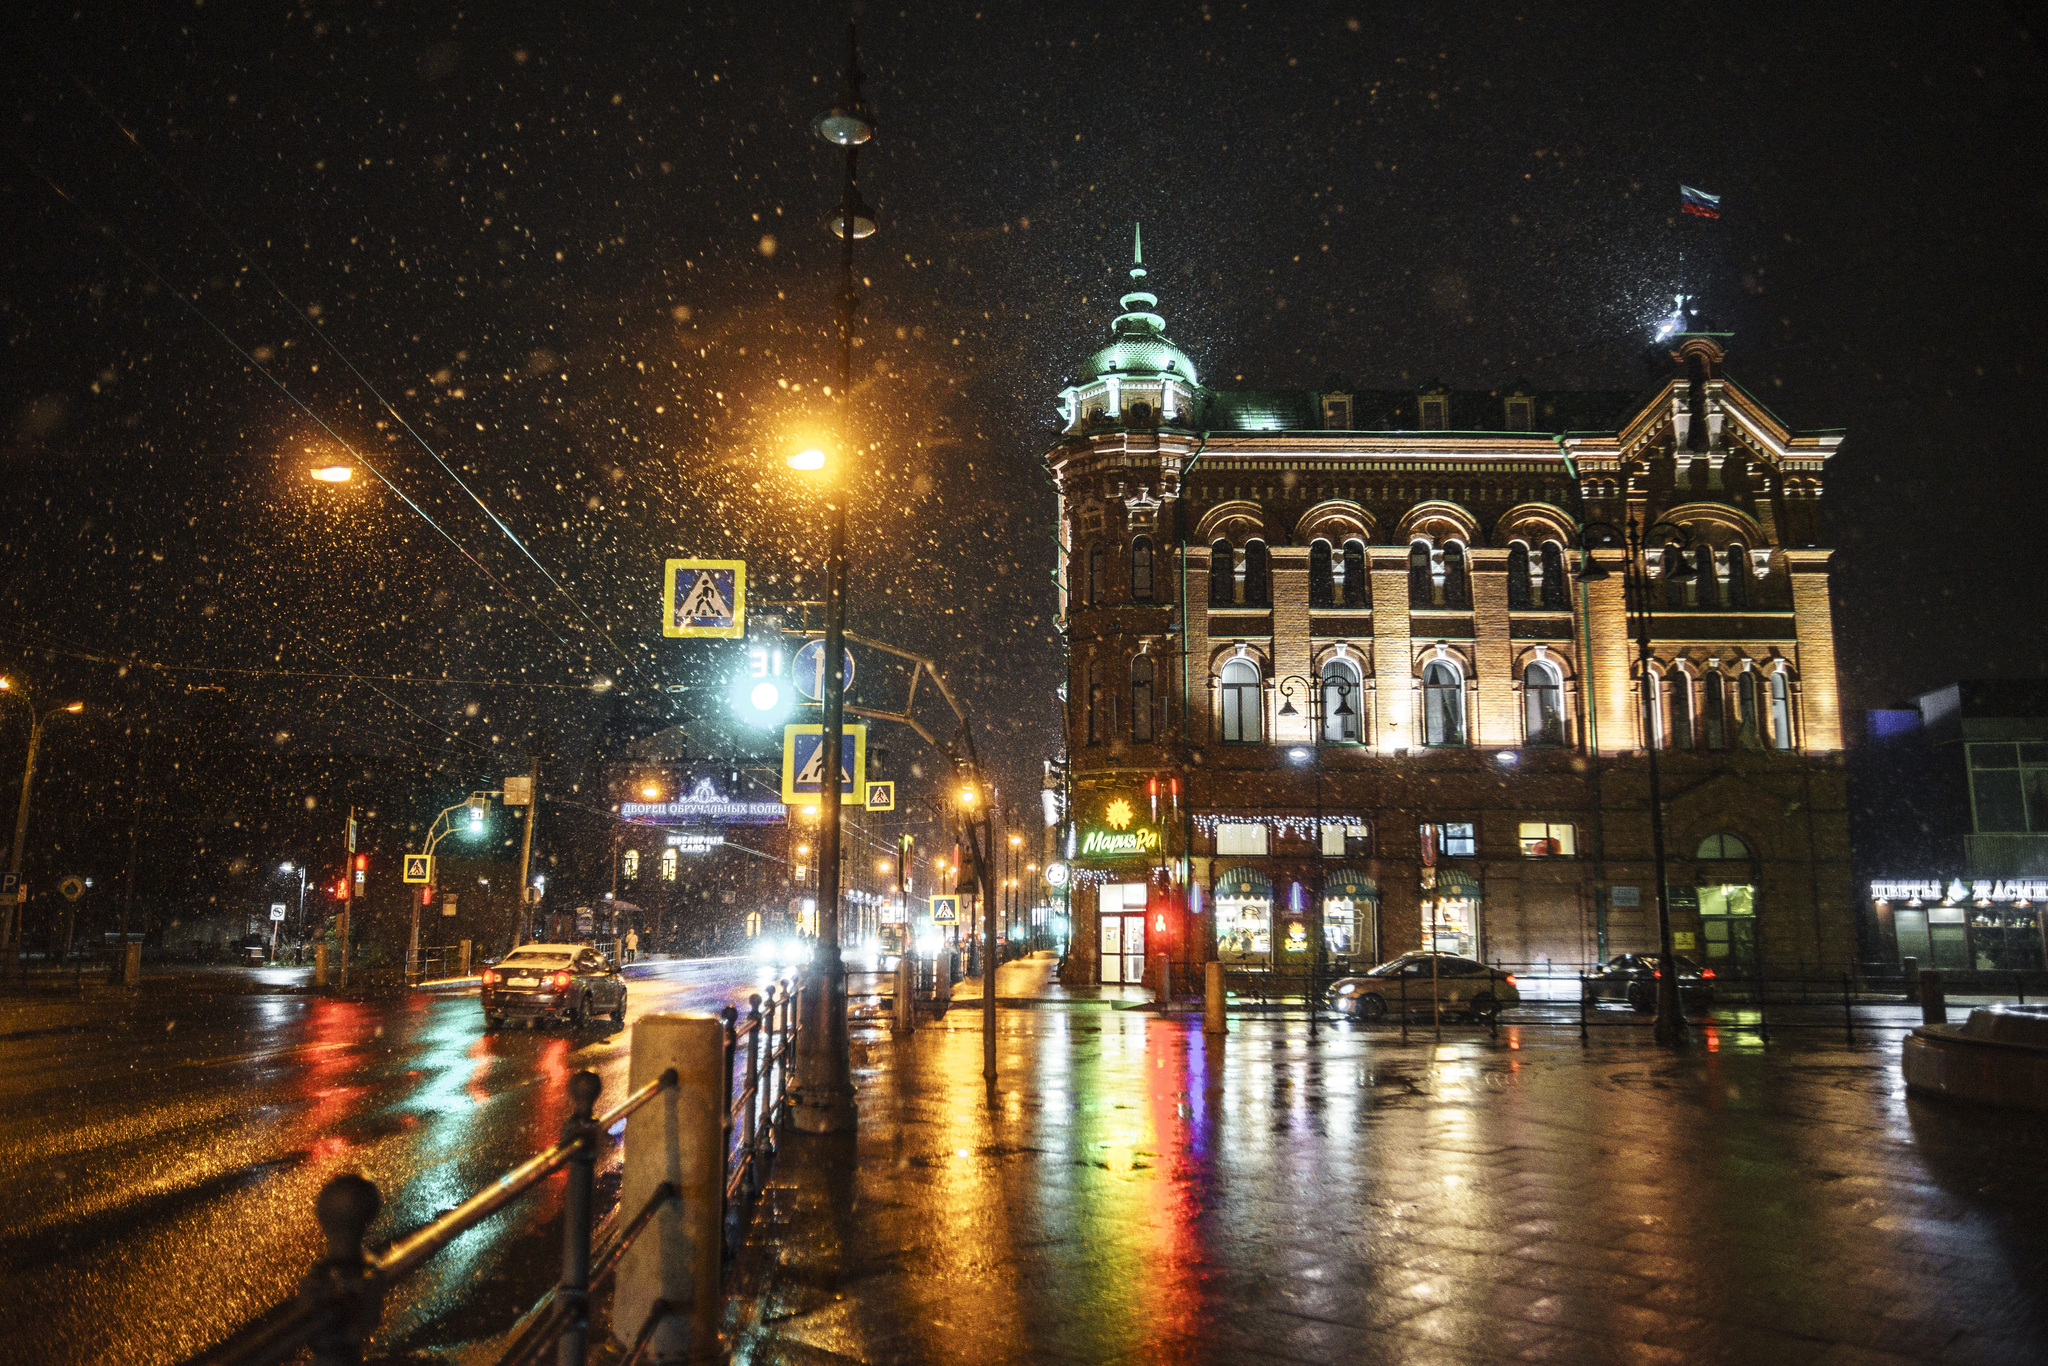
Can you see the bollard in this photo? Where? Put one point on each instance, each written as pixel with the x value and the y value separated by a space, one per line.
pixel 465 959
pixel 1848 1014
pixel 573 1291
pixel 1212 999
pixel 131 965
pixel 672 1269
pixel 1911 970
pixel 320 965
pixel 1933 1000
pixel 942 981
pixel 1162 982
pixel 342 1283
pixel 1584 1002
pixel 906 993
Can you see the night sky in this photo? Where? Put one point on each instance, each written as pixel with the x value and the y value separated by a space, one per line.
pixel 581 254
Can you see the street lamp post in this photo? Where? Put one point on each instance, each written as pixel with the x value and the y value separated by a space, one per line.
pixel 1321 714
pixel 11 921
pixel 823 1096
pixel 1671 1028
pixel 300 923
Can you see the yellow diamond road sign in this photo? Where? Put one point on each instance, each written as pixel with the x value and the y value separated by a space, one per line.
pixel 704 598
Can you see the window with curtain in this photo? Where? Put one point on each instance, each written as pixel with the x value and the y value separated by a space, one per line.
pixel 668 865
pixel 1676 571
pixel 629 864
pixel 1242 703
pixel 1141 569
pixel 1680 684
pixel 1707 590
pixel 1096 719
pixel 1222 574
pixel 1322 576
pixel 1714 710
pixel 1542 704
pixel 1421 590
pixel 1098 574
pixel 1141 698
pixel 1343 703
pixel 1520 594
pixel 1357 583
pixel 1556 586
pixel 1738 576
pixel 1457 588
pixel 1258 584
pixel 1781 711
pixel 1443 704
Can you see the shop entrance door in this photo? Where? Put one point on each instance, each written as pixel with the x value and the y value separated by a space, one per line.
pixel 1123 950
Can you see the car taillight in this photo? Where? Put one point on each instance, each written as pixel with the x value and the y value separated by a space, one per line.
pixel 1658 973
pixel 490 978
pixel 1706 972
pixel 561 981
pixel 1511 979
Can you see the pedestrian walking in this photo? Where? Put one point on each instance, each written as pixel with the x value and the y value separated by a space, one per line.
pixel 632 945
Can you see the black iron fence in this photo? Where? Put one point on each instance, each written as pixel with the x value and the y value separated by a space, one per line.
pixel 339 1305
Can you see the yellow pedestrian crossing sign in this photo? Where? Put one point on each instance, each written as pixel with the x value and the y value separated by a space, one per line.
pixel 419 867
pixel 803 763
pixel 945 910
pixel 882 796
pixel 704 598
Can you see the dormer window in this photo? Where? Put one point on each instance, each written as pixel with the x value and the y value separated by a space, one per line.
pixel 1337 412
pixel 1521 414
pixel 1436 412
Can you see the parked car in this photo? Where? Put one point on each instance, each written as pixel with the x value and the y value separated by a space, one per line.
pixel 1632 978
pixel 569 982
pixel 1464 986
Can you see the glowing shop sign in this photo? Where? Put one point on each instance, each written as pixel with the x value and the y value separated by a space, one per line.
pixel 1120 843
pixel 1982 889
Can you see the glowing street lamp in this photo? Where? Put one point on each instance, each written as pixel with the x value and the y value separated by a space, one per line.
pixel 808 459
pixel 10 914
pixel 333 474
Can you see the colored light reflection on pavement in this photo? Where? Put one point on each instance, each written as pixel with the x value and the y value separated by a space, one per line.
pixel 1139 1192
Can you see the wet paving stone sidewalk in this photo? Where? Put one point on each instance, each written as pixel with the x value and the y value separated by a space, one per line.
pixel 1139 1193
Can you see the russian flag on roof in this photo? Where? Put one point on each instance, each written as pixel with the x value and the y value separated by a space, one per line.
pixel 1699 202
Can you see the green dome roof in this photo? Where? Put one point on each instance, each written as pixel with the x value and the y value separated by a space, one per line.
pixel 1141 347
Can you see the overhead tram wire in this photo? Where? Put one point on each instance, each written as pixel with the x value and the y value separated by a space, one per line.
pixel 197 312
pixel 69 651
pixel 342 356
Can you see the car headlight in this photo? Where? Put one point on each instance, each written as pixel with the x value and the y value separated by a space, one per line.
pixel 1346 988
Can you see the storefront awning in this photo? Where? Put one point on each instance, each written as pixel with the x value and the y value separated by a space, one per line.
pixel 1247 884
pixel 1451 882
pixel 1351 884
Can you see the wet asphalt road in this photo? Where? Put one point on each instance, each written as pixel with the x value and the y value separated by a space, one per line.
pixel 161 1152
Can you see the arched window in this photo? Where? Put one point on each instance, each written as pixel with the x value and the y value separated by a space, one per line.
pixel 1714 710
pixel 1243 703
pixel 1141 569
pixel 629 864
pixel 1542 704
pixel 1222 574
pixel 1457 588
pixel 1097 722
pixel 1322 578
pixel 668 865
pixel 1707 591
pixel 1653 711
pixel 1258 585
pixel 1750 722
pixel 1443 704
pixel 1781 711
pixel 1519 592
pixel 1680 684
pixel 1555 586
pixel 1098 574
pixel 1343 703
pixel 1141 698
pixel 1421 592
pixel 1738 576
pixel 1357 583
pixel 1676 571
pixel 1722 846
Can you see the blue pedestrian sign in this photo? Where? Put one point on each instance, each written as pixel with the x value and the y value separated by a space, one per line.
pixel 808 671
pixel 704 598
pixel 945 910
pixel 803 763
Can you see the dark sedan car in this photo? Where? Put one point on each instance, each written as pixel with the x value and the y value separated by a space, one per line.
pixel 1632 978
pixel 569 982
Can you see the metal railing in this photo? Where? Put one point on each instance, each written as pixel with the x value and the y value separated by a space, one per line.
pixel 339 1304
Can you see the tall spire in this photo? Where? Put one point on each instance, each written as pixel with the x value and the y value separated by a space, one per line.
pixel 1137 251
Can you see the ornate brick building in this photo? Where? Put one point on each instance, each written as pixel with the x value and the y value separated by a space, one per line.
pixel 1327 647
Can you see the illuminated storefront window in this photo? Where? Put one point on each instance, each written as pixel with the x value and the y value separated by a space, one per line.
pixel 668 865
pixel 1728 927
pixel 629 864
pixel 1450 917
pixel 1351 909
pixel 1244 917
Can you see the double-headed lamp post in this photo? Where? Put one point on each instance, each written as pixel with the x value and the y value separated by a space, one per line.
pixel 824 1071
pixel 10 922
pixel 300 924
pixel 1670 1027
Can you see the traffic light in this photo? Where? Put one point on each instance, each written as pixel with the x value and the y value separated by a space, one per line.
pixel 362 872
pixel 906 853
pixel 761 693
